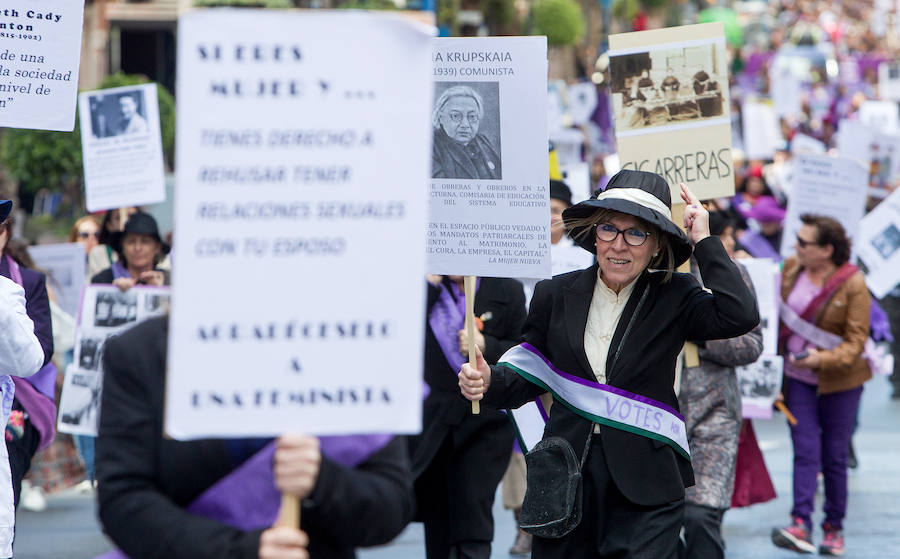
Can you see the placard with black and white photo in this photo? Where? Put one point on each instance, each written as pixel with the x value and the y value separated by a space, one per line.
pixel 489 195
pixel 672 108
pixel 760 383
pixel 877 244
pixel 122 147
pixel 105 312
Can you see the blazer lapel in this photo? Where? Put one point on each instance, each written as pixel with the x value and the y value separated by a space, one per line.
pixel 577 303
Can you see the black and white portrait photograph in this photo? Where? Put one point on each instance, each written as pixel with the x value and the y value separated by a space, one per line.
pixel 115 308
pixel 90 353
pixel 79 406
pixel 155 304
pixel 887 242
pixel 466 121
pixel 760 380
pixel 118 114
pixel 667 86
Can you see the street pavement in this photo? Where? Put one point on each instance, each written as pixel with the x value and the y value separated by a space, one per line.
pixel 68 528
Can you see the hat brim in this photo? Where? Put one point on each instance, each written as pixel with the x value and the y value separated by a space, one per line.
pixel 115 241
pixel 5 209
pixel 583 237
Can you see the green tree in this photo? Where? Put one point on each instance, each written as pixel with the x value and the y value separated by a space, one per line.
pixel 560 20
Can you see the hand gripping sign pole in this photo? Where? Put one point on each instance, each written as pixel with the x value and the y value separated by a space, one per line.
pixel 470 329
pixel 289 515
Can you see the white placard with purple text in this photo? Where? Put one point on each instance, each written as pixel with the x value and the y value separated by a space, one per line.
pixel 298 297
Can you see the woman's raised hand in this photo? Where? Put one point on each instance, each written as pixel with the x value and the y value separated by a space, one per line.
pixel 696 218
pixel 474 381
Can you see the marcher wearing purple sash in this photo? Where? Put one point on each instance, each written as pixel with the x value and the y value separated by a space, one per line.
pixel 214 499
pixel 622 325
pixel 38 416
pixel 459 458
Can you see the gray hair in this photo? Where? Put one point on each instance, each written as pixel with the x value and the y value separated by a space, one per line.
pixel 455 91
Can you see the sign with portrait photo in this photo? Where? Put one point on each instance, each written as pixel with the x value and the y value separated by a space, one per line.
pixel 489 191
pixel 831 186
pixel 40 49
pixel 671 106
pixel 299 212
pixel 760 384
pixel 121 147
pixel 105 311
pixel 877 245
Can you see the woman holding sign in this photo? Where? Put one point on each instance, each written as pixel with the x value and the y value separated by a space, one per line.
pixel 608 479
pixel 140 249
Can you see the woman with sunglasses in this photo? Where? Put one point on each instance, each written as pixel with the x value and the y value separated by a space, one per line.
pixel 86 232
pixel 824 326
pixel 604 341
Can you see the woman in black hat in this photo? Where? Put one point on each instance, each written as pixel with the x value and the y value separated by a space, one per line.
pixel 604 341
pixel 140 249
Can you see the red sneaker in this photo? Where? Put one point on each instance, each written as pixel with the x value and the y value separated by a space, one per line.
pixel 795 537
pixel 833 544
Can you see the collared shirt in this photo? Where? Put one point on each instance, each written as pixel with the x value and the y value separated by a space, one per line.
pixel 603 318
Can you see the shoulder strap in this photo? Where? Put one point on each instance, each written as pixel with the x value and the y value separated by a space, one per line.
pixel 834 282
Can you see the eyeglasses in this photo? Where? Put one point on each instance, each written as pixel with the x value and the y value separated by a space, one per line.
pixel 804 244
pixel 456 117
pixel 608 232
pixel 85 234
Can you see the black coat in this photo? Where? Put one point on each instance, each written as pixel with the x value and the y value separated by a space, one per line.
pixel 146 481
pixel 646 471
pixel 479 445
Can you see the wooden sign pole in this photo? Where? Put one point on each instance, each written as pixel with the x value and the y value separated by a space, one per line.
pixel 289 515
pixel 691 354
pixel 470 329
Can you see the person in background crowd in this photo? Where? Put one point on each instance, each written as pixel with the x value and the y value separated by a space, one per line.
pixel 627 325
pixel 711 403
pixel 459 458
pixel 891 304
pixel 32 421
pixel 825 323
pixel 86 231
pixel 102 256
pixel 21 355
pixel 140 249
pixel 218 498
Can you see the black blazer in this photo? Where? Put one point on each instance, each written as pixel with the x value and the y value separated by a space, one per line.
pixel 146 481
pixel 646 471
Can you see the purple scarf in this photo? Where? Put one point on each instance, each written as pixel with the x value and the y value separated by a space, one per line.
pixel 119 271
pixel 36 393
pixel 247 499
pixel 447 318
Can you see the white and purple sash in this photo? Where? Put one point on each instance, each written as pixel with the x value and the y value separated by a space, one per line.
pixel 600 403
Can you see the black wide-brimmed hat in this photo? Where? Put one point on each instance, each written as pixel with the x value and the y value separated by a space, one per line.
pixel 139 223
pixel 637 193
pixel 5 208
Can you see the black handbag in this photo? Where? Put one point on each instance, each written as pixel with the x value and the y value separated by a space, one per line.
pixel 552 505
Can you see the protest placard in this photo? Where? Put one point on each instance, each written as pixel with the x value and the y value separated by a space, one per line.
pixel 801 143
pixel 889 80
pixel 488 196
pixel 121 147
pixel 39 57
pixel 764 273
pixel 760 384
pixel 786 89
pixel 671 106
pixel 876 245
pixel 883 115
pixel 878 151
pixel 105 311
pixel 582 99
pixel 302 162
pixel 831 186
pixel 762 136
pixel 64 265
